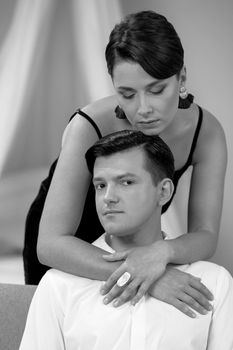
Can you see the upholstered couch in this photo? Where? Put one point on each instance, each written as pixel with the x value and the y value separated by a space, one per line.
pixel 14 304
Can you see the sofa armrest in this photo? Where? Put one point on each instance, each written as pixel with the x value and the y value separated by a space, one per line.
pixel 14 304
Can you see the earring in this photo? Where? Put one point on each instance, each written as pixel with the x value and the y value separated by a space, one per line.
pixel 120 113
pixel 185 99
pixel 183 92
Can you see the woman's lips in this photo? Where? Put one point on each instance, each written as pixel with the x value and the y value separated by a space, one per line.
pixel 149 123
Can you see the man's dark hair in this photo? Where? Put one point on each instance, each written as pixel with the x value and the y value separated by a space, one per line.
pixel 159 161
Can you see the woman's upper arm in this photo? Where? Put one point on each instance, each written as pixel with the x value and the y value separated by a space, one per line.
pixel 207 184
pixel 66 197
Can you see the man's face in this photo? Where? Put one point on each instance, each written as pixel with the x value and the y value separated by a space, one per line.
pixel 126 197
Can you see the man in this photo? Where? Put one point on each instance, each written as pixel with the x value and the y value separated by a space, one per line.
pixel 132 176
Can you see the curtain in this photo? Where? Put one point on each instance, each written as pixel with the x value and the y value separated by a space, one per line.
pixel 17 62
pixel 51 62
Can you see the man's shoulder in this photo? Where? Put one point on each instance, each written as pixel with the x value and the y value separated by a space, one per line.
pixel 62 281
pixel 214 276
pixel 212 269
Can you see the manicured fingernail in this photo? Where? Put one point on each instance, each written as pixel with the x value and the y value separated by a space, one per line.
pixel 116 303
pixel 210 307
pixel 102 291
pixel 105 301
pixel 193 315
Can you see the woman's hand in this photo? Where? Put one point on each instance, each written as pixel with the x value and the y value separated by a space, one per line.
pixel 149 273
pixel 145 265
pixel 183 291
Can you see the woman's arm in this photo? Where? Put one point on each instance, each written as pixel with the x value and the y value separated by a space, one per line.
pixel 57 246
pixel 206 197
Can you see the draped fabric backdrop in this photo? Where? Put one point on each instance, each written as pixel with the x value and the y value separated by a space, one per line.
pixel 51 61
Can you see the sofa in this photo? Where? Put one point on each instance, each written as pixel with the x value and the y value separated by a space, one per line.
pixel 14 303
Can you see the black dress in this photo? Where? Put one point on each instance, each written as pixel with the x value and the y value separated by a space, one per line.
pixel 89 228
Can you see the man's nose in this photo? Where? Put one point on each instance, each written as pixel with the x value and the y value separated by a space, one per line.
pixel 110 195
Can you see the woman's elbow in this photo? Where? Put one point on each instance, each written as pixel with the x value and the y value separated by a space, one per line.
pixel 212 242
pixel 43 248
pixel 42 255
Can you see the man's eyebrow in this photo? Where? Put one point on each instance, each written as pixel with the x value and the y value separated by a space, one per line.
pixel 118 177
pixel 95 179
pixel 128 174
pixel 154 83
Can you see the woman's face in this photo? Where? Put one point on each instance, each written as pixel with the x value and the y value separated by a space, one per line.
pixel 150 104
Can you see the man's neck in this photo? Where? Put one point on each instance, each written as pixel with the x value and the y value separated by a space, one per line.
pixel 119 243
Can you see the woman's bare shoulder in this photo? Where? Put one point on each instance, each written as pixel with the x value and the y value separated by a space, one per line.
pixel 212 135
pixel 211 125
pixel 102 106
pixel 102 112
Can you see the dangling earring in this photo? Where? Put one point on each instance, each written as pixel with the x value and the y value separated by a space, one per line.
pixel 120 113
pixel 183 92
pixel 185 99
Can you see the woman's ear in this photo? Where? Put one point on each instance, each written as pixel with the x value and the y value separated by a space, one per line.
pixel 183 76
pixel 166 190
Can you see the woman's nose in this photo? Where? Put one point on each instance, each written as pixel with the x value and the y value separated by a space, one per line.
pixel 144 106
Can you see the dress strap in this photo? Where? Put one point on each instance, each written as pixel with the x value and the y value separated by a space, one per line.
pixel 195 137
pixel 91 121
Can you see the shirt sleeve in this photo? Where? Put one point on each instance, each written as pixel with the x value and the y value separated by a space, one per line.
pixel 43 328
pixel 221 328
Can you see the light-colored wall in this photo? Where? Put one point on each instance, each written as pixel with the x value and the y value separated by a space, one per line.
pixel 206 29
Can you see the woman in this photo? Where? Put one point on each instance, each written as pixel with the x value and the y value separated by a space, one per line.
pixel 145 60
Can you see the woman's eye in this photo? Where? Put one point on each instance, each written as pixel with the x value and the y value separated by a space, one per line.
pixel 157 92
pixel 127 96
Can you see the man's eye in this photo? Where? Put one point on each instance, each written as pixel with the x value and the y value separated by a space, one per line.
pixel 99 187
pixel 127 182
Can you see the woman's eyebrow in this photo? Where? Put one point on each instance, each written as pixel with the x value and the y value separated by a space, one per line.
pixel 148 86
pixel 125 88
pixel 154 83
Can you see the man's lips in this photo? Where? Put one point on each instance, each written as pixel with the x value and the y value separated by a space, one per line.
pixel 112 211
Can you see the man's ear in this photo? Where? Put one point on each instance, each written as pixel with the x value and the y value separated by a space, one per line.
pixel 166 190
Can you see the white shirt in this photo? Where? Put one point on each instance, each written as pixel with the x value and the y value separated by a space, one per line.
pixel 67 313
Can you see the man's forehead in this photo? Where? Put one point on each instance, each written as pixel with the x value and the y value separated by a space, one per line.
pixel 130 161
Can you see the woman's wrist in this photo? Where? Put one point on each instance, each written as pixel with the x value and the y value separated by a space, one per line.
pixel 165 250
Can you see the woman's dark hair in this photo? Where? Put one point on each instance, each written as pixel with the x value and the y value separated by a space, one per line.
pixel 159 161
pixel 146 38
